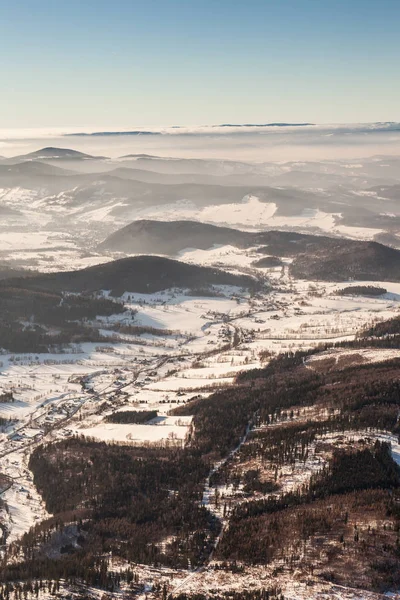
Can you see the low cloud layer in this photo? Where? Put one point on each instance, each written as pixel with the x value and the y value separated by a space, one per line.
pixel 258 142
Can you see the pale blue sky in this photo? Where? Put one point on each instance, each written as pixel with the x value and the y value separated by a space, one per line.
pixel 129 63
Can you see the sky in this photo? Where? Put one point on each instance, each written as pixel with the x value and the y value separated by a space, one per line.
pixel 136 63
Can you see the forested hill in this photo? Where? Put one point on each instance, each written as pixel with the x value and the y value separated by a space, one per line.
pixel 365 261
pixel 314 257
pixel 141 274
pixel 170 237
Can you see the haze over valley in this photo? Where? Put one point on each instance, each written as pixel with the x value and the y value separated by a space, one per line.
pixel 60 204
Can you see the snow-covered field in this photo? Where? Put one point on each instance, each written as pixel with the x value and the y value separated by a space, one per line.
pixel 165 429
pixel 207 342
pixel 202 343
pixel 253 214
pixel 56 232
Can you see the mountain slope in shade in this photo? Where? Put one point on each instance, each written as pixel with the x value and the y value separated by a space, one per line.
pixel 170 237
pixel 141 274
pixel 365 261
pixel 31 167
pixel 314 257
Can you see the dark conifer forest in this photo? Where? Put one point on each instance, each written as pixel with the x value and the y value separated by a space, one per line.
pixel 127 500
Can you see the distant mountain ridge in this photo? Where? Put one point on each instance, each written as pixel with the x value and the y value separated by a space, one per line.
pixel 50 153
pixel 177 128
pixel 109 133
pixel 33 167
pixel 331 198
pixel 264 125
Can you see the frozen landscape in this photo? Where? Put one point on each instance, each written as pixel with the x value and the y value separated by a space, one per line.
pixel 190 346
pixel 199 300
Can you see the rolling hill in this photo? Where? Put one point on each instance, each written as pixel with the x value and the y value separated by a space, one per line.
pixel 32 168
pixel 170 237
pixel 141 274
pixel 50 153
pixel 314 257
pixel 348 260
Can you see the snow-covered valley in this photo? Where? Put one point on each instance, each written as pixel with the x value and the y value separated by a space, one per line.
pixel 139 380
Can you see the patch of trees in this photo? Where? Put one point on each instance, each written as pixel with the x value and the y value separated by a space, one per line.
pixel 252 483
pixel 34 320
pixel 76 574
pixel 16 337
pixel 381 341
pixel 205 292
pixel 286 360
pixel 141 329
pixel 51 308
pixel 6 397
pixel 390 327
pixel 132 416
pixel 268 262
pixel 361 290
pixel 359 470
